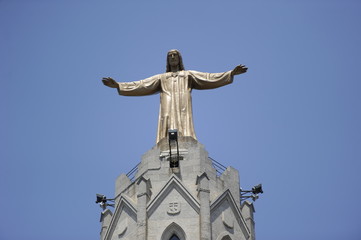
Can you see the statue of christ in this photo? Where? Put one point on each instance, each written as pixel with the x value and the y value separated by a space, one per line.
pixel 175 87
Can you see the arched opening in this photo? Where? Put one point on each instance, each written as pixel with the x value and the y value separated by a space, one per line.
pixel 227 238
pixel 224 236
pixel 173 232
pixel 174 237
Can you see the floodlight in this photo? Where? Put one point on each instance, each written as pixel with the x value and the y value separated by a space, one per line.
pixel 173 137
pixel 173 134
pixel 257 189
pixel 245 194
pixel 101 198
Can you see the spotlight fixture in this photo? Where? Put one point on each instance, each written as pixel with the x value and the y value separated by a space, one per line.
pixel 102 200
pixel 255 191
pixel 173 137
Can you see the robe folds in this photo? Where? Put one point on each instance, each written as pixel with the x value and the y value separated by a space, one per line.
pixel 175 89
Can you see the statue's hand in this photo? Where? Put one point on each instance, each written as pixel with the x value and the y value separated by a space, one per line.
pixel 239 70
pixel 110 82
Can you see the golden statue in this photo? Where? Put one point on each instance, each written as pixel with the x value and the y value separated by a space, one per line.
pixel 175 87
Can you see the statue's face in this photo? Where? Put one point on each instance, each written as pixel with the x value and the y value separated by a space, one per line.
pixel 173 59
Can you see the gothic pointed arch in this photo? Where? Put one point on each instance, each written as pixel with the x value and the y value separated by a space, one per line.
pixel 174 237
pixel 227 237
pixel 173 232
pixel 224 236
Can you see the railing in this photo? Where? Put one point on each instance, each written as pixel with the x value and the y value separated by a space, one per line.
pixel 131 173
pixel 220 168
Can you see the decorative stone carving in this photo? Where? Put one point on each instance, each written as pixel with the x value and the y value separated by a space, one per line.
pixel 174 208
pixel 227 218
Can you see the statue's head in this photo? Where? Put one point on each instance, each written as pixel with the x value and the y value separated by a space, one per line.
pixel 174 58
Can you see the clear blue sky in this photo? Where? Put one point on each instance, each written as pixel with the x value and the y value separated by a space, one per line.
pixel 292 122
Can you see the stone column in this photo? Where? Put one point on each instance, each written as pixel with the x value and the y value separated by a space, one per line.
pixel 205 210
pixel 143 195
pixel 231 181
pixel 105 218
pixel 247 210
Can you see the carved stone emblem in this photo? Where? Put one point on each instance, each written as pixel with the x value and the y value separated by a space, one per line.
pixel 227 218
pixel 174 208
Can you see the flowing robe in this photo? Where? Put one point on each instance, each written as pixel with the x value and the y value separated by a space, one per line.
pixel 175 96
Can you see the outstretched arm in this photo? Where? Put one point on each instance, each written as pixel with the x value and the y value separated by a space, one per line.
pixel 239 70
pixel 144 87
pixel 203 80
pixel 215 80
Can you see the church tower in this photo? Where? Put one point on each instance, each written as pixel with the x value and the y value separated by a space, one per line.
pixel 178 192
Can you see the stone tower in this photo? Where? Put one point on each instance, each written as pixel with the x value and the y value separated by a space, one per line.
pixel 188 201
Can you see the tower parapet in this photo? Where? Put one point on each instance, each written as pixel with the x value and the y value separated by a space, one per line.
pixel 190 201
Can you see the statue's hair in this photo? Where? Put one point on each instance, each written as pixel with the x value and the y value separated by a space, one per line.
pixel 181 66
